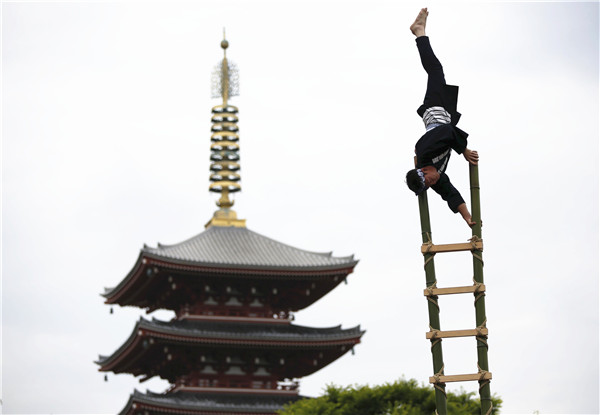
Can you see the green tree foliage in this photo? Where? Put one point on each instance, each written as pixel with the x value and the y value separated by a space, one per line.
pixel 404 397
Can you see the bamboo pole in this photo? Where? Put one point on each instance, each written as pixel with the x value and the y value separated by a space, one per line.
pixel 480 318
pixel 434 311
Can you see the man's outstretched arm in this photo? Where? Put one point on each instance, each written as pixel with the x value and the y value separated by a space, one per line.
pixel 464 211
pixel 455 201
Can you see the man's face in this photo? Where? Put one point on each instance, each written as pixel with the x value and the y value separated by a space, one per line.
pixel 431 175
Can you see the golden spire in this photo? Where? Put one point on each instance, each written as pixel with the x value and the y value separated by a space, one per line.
pixel 224 71
pixel 224 148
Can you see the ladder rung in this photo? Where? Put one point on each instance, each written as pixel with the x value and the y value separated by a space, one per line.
pixel 461 378
pixel 439 334
pixel 466 246
pixel 455 290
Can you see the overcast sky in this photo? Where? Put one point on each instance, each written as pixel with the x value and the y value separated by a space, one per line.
pixel 105 147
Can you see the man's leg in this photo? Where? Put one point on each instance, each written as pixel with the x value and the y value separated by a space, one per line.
pixel 435 73
pixel 431 64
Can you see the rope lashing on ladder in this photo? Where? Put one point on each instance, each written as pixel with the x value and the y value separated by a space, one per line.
pixel 479 291
pixel 434 331
pixel 438 384
pixel 480 336
pixel 434 343
pixel 434 338
pixel 431 288
pixel 429 246
pixel 430 296
pixel 482 383
pixel 475 249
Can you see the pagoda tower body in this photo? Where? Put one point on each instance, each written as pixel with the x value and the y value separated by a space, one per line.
pixel 231 347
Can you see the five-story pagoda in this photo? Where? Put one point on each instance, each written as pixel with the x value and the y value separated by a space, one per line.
pixel 231 347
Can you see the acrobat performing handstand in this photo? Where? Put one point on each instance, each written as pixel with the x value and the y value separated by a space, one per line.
pixel 442 135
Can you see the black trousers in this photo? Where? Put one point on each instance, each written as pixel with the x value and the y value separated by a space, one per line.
pixel 435 73
pixel 438 93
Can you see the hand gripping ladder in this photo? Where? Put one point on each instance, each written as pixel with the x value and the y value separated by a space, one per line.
pixel 432 292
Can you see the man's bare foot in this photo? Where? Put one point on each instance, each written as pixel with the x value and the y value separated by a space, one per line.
pixel 418 27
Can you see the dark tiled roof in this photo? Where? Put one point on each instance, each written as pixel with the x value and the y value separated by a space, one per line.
pixel 250 331
pixel 240 332
pixel 222 403
pixel 243 248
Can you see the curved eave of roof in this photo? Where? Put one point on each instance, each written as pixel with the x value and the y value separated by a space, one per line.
pixel 104 361
pixel 214 241
pixel 250 333
pixel 237 250
pixel 216 266
pixel 220 403
pixel 232 247
pixel 129 278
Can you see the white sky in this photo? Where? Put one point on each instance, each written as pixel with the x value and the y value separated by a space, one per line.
pixel 105 147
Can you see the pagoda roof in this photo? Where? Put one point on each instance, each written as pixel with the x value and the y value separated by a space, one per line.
pixel 250 331
pixel 237 333
pixel 207 403
pixel 228 251
pixel 220 334
pixel 235 247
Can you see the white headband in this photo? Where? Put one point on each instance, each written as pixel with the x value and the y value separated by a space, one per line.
pixel 422 177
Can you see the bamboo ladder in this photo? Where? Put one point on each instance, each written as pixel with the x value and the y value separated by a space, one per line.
pixel 429 250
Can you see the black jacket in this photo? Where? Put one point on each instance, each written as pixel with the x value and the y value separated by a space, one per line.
pixel 434 149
